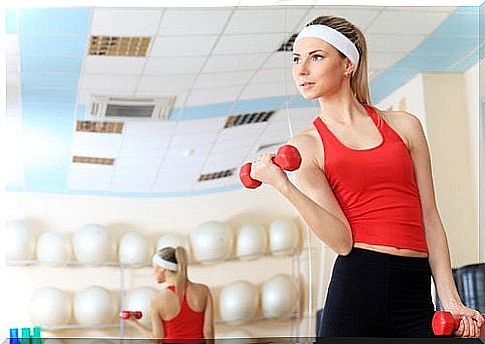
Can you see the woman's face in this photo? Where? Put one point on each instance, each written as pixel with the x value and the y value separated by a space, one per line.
pixel 158 274
pixel 317 67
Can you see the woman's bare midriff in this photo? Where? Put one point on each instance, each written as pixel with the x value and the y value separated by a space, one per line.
pixel 392 250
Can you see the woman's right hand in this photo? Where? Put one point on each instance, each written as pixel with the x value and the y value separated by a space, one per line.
pixel 266 171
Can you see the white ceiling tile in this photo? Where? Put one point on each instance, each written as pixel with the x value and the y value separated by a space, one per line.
pixel 222 79
pixel 89 176
pixel 166 85
pixel 390 43
pixel 200 125
pixel 272 89
pixel 174 185
pixel 96 145
pixel 248 44
pixel 194 140
pixel 242 132
pixel 265 20
pixel 12 43
pixel 279 60
pixel 409 23
pixel 447 9
pixel 270 75
pixel 213 96
pixel 193 21
pixel 170 65
pixel 113 65
pixel 230 158
pixel 232 63
pixel 109 85
pixel 383 60
pixel 360 16
pixel 178 155
pixel 148 142
pixel 148 127
pixel 134 175
pixel 148 162
pixel 182 46
pixel 125 21
pixel 233 145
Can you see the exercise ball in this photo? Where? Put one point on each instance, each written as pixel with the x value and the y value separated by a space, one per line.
pixel 250 241
pixel 279 296
pixel 134 249
pixel 19 241
pixel 238 302
pixel 174 240
pixel 94 305
pixel 50 306
pixel 93 244
pixel 138 299
pixel 283 237
pixel 54 248
pixel 211 241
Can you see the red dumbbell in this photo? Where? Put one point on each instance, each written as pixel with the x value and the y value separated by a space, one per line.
pixel 126 314
pixel 444 324
pixel 287 158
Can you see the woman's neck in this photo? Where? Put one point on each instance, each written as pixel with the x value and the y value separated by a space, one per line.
pixel 342 109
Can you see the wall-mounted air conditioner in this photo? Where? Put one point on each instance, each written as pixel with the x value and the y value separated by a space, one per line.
pixel 131 107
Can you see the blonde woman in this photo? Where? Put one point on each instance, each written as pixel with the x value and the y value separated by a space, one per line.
pixel 366 190
pixel 183 309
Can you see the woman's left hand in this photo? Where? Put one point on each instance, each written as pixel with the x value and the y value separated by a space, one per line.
pixel 471 321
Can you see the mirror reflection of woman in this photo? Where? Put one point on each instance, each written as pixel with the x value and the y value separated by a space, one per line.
pixel 365 188
pixel 183 309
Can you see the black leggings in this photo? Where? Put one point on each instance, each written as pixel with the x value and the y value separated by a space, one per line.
pixel 374 294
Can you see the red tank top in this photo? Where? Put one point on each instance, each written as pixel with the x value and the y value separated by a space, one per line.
pixel 376 188
pixel 187 324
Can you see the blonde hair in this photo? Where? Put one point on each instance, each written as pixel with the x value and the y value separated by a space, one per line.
pixel 178 256
pixel 359 82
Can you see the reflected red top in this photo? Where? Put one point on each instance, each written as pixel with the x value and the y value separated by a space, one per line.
pixel 376 188
pixel 187 324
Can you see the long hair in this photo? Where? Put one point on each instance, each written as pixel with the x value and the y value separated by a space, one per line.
pixel 178 256
pixel 359 82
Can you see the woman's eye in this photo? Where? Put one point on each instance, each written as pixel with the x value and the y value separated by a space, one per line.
pixel 317 57
pixel 296 60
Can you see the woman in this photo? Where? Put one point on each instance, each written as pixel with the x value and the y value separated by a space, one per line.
pixel 183 309
pixel 366 190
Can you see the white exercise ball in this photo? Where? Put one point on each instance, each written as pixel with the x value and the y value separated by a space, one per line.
pixel 211 241
pixel 174 240
pixel 93 244
pixel 284 237
pixel 250 241
pixel 135 249
pixel 94 305
pixel 238 302
pixel 138 299
pixel 20 241
pixel 50 306
pixel 54 248
pixel 279 296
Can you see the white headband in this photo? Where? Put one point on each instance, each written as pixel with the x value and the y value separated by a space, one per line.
pixel 164 263
pixel 333 37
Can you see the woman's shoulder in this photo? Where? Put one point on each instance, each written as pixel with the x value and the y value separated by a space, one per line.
pixel 305 138
pixel 199 287
pixel 401 118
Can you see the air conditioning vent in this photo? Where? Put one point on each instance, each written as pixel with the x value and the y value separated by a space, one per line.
pixel 92 160
pixel 248 118
pixel 131 108
pixel 100 127
pixel 118 46
pixel 216 175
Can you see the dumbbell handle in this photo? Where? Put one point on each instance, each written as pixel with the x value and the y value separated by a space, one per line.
pixel 126 314
pixel 444 324
pixel 287 158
